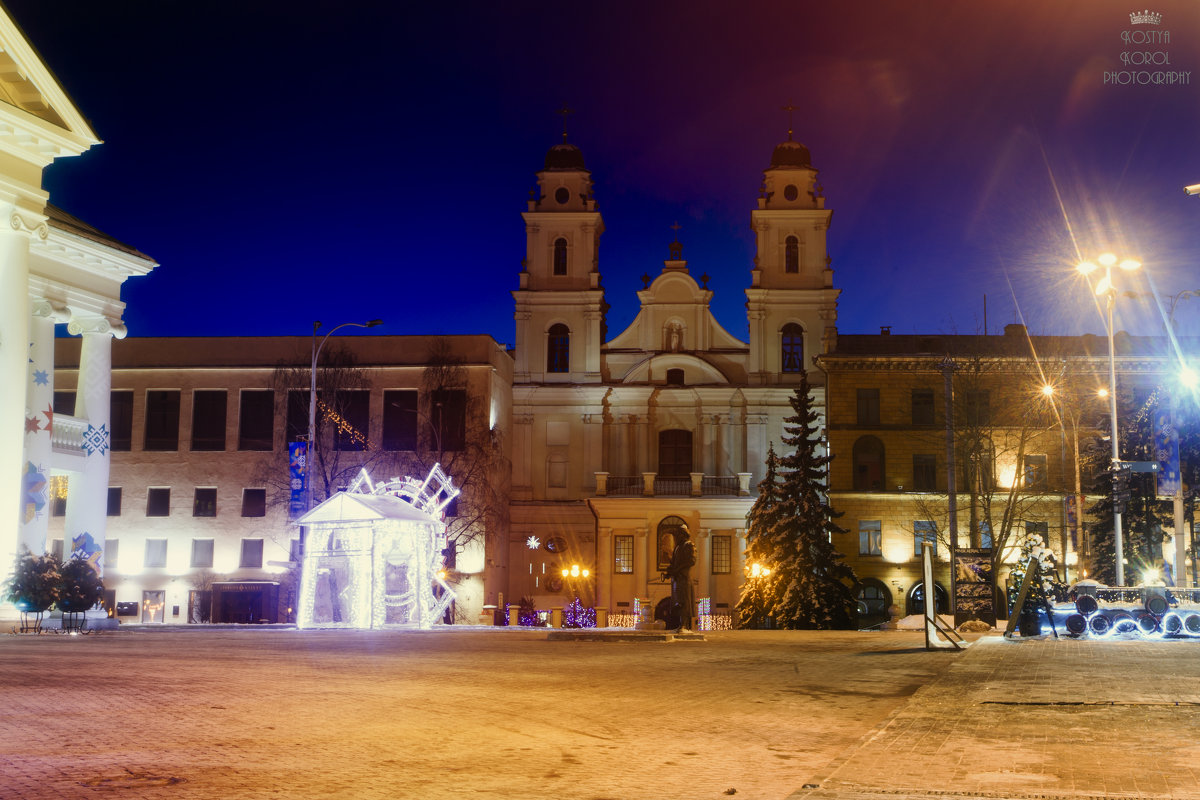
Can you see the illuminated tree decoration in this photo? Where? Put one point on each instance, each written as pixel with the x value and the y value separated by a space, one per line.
pixel 576 615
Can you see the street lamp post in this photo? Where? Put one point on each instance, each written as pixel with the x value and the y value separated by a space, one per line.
pixel 1188 378
pixel 311 456
pixel 1106 287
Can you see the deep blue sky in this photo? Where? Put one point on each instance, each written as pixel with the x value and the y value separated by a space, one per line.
pixel 292 161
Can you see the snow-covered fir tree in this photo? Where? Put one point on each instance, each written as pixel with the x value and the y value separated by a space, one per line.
pixel 790 533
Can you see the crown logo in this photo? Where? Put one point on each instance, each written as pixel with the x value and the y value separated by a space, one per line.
pixel 1146 17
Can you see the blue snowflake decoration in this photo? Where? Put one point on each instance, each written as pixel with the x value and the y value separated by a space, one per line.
pixel 41 377
pixel 95 440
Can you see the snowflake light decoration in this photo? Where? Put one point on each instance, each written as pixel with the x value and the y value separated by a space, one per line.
pixel 533 543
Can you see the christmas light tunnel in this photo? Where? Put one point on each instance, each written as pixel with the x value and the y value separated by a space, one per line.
pixel 374 553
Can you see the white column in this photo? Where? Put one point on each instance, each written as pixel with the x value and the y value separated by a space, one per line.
pixel 87 491
pixel 604 568
pixel 704 563
pixel 39 415
pixel 641 562
pixel 739 554
pixel 14 369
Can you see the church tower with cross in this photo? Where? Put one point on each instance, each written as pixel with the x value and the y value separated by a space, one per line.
pixel 559 302
pixel 791 304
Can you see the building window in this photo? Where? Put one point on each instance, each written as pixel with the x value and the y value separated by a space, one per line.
pixel 923 531
pixel 162 419
pixel 675 377
pixel 985 534
pixel 120 419
pixel 978 409
pixel 208 419
pixel 400 419
pixel 623 554
pixel 722 554
pixel 674 453
pixel 354 407
pixel 791 254
pixel 1035 472
pixel 252 554
pixel 924 473
pixel 112 553
pixel 58 503
pixel 978 473
pixel 558 348
pixel 204 504
pixel 297 415
pixel 254 502
pixel 868 459
pixel 868 406
pixel 560 256
pixel 156 553
pixel 870 537
pixel 922 407
pixel 202 553
pixel 792 348
pixel 256 422
pixel 114 501
pixel 64 403
pixel 667 533
pixel 1040 530
pixel 449 413
pixel 158 502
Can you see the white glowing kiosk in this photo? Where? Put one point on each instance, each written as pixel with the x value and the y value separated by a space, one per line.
pixel 373 556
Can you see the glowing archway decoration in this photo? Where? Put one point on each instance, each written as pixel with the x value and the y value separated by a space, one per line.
pixel 373 555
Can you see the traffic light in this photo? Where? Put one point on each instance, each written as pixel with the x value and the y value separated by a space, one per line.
pixel 1120 489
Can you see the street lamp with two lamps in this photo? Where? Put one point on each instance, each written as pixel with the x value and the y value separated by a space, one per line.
pixel 1106 287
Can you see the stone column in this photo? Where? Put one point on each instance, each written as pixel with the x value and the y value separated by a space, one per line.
pixel 15 367
pixel 641 459
pixel 604 569
pixel 641 562
pixel 739 554
pixel 39 416
pixel 87 491
pixel 703 563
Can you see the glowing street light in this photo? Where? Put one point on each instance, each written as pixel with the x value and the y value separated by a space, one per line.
pixel 759 571
pixel 1106 287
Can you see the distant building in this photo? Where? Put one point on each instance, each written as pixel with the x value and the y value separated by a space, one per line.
pixel 1014 450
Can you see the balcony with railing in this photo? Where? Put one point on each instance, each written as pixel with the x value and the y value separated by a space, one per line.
pixel 695 484
pixel 66 434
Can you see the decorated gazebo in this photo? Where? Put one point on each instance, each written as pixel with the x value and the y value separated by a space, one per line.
pixel 373 556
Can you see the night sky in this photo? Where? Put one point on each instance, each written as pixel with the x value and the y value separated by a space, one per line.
pixel 292 161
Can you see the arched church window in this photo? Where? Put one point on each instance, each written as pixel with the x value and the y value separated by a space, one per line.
pixel 558 348
pixel 674 453
pixel 792 348
pixel 560 256
pixel 868 464
pixel 791 254
pixel 667 539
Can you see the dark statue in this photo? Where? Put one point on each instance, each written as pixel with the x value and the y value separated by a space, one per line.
pixel 683 598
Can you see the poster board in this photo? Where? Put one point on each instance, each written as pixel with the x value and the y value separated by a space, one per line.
pixel 974 586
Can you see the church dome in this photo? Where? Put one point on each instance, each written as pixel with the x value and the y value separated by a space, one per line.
pixel 789 155
pixel 565 156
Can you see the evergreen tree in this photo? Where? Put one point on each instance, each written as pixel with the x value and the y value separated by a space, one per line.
pixel 753 606
pixel 791 529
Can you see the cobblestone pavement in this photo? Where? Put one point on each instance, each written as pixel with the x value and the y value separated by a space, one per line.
pixel 491 713
pixel 1041 718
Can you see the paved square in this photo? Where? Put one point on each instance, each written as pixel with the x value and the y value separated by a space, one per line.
pixel 490 713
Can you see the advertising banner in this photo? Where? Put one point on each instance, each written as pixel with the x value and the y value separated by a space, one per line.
pixel 1166 453
pixel 297 477
pixel 974 586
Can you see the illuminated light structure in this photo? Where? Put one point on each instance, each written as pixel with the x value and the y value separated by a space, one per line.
pixel 374 555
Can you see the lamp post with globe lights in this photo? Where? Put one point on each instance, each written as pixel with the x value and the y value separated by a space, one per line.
pixel 1106 288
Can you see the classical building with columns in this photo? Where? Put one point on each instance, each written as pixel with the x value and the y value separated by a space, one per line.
pixel 620 442
pixel 53 269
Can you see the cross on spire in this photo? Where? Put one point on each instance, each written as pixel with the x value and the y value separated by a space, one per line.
pixel 790 108
pixel 676 248
pixel 565 112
